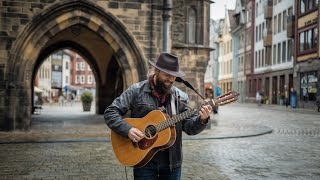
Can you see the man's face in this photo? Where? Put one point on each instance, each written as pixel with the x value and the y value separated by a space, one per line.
pixel 164 82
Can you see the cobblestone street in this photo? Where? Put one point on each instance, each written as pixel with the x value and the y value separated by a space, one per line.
pixel 245 142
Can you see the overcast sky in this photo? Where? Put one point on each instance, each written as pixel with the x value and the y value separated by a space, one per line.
pixel 218 8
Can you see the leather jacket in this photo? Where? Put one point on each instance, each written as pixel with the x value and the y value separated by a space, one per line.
pixel 139 100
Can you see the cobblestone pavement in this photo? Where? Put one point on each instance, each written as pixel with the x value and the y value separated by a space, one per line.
pixel 77 146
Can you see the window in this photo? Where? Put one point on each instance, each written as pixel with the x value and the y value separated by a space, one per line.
pixel 308 43
pixel 302 6
pixel 259 32
pixel 308 86
pixel 256 33
pixel 290 11
pixel 249 16
pixel 279 22
pixel 90 79
pixel 279 53
pixel 67 80
pixel 259 58
pixel 308 39
pixel 248 39
pixel 67 65
pixel 284 48
pixel 192 26
pixel 227 47
pixel 315 37
pixel 284 20
pixel 301 39
pixel 262 57
pixel 83 66
pixel 257 5
pixel 289 50
pixel 82 79
pixel 274 24
pixel 274 60
pixel 262 30
pixel 307 5
pixel 78 66
pixel 77 79
pixel 255 60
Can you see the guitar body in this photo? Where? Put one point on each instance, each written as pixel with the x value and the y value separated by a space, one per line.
pixel 138 154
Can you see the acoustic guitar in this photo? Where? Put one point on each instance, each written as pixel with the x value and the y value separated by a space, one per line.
pixel 159 132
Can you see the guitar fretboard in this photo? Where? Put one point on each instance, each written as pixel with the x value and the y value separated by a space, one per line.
pixel 221 100
pixel 173 120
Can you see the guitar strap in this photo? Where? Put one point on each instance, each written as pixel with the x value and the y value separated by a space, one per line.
pixel 173 106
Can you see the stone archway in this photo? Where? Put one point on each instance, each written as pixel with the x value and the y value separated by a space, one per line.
pixel 79 25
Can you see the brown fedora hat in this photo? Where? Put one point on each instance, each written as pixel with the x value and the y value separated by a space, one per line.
pixel 168 63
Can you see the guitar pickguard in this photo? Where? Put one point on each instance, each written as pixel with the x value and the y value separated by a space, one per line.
pixel 147 143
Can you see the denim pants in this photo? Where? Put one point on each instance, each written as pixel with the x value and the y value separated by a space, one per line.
pixel 155 171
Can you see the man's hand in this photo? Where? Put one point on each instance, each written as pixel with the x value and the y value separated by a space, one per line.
pixel 135 134
pixel 205 112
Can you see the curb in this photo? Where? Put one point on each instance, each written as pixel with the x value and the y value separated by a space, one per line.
pixel 207 135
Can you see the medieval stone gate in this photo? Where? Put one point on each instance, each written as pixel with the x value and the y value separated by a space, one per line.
pixel 115 37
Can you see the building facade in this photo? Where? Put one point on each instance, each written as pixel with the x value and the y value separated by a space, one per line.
pixel 81 76
pixel 226 56
pixel 114 36
pixel 275 51
pixel 212 72
pixel 307 67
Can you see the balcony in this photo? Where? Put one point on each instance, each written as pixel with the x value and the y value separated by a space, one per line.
pixel 290 26
pixel 267 38
pixel 268 9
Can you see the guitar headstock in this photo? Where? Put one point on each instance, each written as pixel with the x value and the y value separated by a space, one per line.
pixel 226 98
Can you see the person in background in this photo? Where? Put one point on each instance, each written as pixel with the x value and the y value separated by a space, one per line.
pixel 258 98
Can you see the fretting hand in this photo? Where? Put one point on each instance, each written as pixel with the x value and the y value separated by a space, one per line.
pixel 205 112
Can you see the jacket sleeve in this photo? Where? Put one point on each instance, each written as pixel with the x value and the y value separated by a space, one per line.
pixel 193 124
pixel 113 115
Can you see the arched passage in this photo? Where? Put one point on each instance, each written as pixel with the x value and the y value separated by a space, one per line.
pixel 89 30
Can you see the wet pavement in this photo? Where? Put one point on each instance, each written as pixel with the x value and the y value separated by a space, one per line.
pixel 245 142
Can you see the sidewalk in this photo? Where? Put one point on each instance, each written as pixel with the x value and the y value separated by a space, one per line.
pixel 71 124
pixel 279 108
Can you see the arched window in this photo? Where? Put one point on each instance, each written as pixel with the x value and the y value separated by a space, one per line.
pixel 192 19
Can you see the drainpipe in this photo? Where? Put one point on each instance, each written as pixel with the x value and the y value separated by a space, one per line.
pixel 167 6
pixel 151 30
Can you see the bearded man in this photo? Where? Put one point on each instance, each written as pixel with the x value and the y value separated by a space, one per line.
pixel 157 93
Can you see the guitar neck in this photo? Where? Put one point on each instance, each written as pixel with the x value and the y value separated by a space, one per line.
pixel 175 119
pixel 219 101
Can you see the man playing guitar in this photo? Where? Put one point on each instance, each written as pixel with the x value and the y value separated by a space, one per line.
pixel 156 93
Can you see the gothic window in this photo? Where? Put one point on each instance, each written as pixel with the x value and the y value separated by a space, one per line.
pixel 192 19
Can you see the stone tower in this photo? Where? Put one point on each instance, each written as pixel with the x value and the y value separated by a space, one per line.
pixel 114 36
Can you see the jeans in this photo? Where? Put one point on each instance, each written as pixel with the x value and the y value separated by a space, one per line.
pixel 155 171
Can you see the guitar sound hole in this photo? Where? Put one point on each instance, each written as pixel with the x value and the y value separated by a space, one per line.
pixel 150 131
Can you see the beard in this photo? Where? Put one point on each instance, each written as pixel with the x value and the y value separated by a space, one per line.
pixel 161 87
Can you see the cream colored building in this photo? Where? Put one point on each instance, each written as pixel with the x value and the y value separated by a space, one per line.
pixel 225 58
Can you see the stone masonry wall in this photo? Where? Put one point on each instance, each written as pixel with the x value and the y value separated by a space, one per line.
pixel 142 18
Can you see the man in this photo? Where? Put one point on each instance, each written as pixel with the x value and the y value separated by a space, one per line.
pixel 157 92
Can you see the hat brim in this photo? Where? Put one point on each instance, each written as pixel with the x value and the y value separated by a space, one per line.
pixel 173 73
